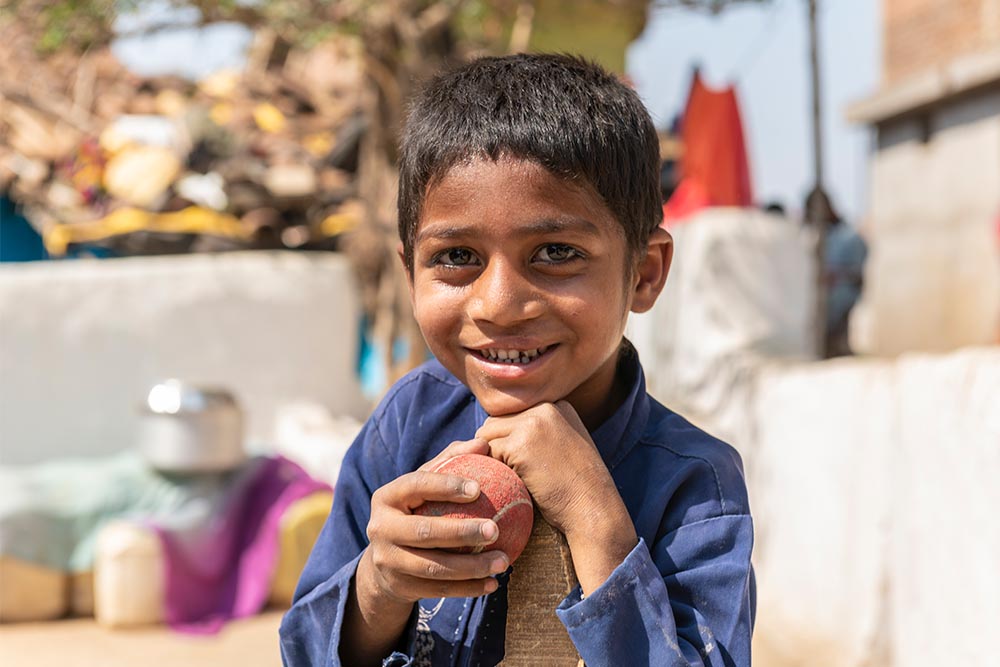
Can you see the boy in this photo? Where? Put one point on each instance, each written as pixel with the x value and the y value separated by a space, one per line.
pixel 529 217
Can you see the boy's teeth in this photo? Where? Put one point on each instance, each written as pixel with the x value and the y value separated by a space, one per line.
pixel 512 356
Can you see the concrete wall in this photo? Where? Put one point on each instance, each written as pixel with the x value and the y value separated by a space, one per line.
pixel 81 343
pixel 932 282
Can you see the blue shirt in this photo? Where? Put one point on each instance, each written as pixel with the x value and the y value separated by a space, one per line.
pixel 845 255
pixel 685 595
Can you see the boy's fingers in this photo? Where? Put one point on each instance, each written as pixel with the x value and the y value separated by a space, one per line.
pixel 439 532
pixel 430 573
pixel 417 588
pixel 438 565
pixel 531 420
pixel 503 446
pixel 495 427
pixel 415 488
pixel 474 446
pixel 412 574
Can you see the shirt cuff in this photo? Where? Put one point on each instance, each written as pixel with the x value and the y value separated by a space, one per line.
pixel 310 632
pixel 576 610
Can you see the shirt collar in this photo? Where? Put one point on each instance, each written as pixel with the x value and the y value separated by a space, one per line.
pixel 619 432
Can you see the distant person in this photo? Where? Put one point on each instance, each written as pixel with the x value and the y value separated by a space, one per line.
pixel 529 211
pixel 843 271
pixel 668 179
pixel 775 208
pixel 671 150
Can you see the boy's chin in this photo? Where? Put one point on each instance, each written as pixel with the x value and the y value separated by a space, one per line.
pixel 500 404
pixel 503 405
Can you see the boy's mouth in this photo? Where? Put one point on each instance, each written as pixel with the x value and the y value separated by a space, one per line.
pixel 511 356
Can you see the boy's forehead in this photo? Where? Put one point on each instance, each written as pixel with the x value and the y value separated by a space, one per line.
pixel 506 181
pixel 469 171
pixel 512 197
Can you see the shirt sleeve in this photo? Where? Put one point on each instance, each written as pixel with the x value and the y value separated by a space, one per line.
pixel 688 601
pixel 310 630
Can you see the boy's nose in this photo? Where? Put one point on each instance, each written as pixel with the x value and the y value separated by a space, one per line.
pixel 503 295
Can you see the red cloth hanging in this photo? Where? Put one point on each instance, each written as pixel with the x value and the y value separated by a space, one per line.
pixel 714 168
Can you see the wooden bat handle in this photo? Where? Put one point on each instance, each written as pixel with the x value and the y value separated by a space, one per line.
pixel 542 576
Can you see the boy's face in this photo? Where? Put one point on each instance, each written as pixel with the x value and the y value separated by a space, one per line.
pixel 521 286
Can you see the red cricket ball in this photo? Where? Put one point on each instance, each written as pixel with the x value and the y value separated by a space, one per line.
pixel 503 497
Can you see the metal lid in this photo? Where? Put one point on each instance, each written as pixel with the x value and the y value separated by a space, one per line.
pixel 172 397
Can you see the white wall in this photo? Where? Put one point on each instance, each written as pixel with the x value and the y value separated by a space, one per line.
pixel 81 342
pixel 873 482
pixel 873 485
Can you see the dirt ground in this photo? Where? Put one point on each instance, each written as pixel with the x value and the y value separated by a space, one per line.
pixel 251 642
pixel 80 642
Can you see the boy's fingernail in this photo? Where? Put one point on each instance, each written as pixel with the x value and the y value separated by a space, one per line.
pixel 499 565
pixel 470 488
pixel 489 530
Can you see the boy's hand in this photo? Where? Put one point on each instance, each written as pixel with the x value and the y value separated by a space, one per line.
pixel 549 447
pixel 405 560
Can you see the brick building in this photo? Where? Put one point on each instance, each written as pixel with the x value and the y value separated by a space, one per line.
pixel 933 277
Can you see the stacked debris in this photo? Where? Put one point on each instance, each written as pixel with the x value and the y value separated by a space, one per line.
pixel 263 158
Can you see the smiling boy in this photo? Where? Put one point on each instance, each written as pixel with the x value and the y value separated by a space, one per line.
pixel 529 226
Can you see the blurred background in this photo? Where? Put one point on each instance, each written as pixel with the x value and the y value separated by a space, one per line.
pixel 200 301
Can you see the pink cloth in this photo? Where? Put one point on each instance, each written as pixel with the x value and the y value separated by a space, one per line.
pixel 223 570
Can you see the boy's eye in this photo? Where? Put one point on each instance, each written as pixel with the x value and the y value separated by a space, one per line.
pixel 455 257
pixel 554 253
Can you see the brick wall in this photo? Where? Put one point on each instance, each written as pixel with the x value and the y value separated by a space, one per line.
pixel 920 34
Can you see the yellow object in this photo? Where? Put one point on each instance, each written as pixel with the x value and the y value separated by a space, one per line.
pixel 221 84
pixel 297 533
pixel 318 144
pixel 191 220
pixel 31 592
pixel 87 174
pixel 269 118
pixel 338 223
pixel 171 103
pixel 221 113
pixel 81 593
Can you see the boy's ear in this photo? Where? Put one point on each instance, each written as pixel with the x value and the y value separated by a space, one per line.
pixel 651 272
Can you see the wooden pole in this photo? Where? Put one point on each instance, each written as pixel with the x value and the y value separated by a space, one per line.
pixel 816 213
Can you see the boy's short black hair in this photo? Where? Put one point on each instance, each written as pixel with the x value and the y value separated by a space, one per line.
pixel 567 114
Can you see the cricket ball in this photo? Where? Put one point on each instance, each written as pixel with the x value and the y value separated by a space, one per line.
pixel 503 497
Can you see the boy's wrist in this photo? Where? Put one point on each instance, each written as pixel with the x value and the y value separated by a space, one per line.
pixel 375 601
pixel 374 621
pixel 599 546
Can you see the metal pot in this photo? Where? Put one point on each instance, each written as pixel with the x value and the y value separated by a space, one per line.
pixel 186 428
